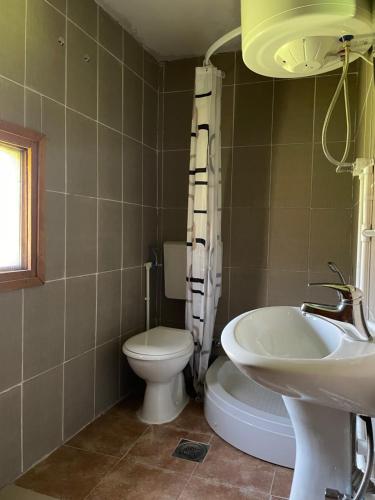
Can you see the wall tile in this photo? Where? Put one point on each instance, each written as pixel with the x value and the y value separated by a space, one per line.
pixel 291 175
pixel 180 74
pixel 132 301
pixel 110 90
pixel 132 235
pixel 151 70
pixel 133 54
pixel 54 220
pixel 248 290
pixel 150 233
pixel 174 224
pixel 110 164
pixel 107 376
pixel 330 238
pixel 289 239
pixel 330 190
pixel 81 236
pixel 110 33
pixel 84 13
pixel 150 179
pixel 33 110
pixel 132 171
pixel 10 435
pixel 12 33
pixel 226 176
pixel 80 315
pixel 42 415
pixel 43 328
pixel 11 102
pixel 10 339
pixel 132 102
pixel 78 393
pixel 293 111
pixel 82 68
pixel 53 126
pixel 81 155
pixel 150 116
pixel 287 288
pixel 59 4
pixel 251 176
pixel 253 101
pixel 249 230
pixel 177 126
pixel 175 179
pixel 45 56
pixel 109 306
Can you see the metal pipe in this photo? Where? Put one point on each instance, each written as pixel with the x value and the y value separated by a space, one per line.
pixel 220 42
pixel 148 266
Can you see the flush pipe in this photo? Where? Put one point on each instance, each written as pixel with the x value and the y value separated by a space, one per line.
pixel 148 266
pixel 220 42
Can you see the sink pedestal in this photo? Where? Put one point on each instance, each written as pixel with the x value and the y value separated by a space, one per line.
pixel 324 449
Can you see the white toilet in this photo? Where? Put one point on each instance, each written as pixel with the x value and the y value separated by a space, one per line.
pixel 160 354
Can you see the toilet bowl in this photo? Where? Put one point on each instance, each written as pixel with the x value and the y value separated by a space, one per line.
pixel 158 356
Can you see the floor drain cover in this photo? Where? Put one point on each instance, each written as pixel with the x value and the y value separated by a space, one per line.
pixel 191 450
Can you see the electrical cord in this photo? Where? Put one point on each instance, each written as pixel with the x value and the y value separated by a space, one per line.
pixel 343 83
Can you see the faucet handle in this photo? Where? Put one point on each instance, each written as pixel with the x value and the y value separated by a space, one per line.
pixel 346 292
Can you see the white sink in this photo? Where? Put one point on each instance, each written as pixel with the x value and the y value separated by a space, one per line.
pixel 304 356
pixel 325 375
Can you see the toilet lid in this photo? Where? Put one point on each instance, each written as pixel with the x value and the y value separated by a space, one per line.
pixel 159 341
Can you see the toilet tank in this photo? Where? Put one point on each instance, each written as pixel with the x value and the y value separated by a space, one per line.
pixel 175 269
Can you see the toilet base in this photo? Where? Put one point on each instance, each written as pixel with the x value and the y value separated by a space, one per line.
pixel 163 401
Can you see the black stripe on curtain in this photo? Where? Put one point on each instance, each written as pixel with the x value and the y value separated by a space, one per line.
pixel 198 292
pixel 200 211
pixel 198 318
pixel 203 126
pixel 193 134
pixel 201 241
pixel 195 280
pixel 207 94
pixel 198 171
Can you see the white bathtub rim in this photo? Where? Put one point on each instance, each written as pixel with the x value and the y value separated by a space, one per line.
pixel 217 393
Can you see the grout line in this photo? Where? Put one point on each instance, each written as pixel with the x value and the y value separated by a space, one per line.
pixel 97 219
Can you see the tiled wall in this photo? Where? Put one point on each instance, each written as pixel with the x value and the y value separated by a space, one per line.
pixel 68 70
pixel 365 148
pixel 286 212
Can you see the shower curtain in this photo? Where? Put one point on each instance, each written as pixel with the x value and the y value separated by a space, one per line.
pixel 204 244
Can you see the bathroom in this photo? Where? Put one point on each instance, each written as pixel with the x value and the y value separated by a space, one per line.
pixel 105 90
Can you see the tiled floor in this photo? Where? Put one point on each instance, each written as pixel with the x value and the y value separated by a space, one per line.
pixel 118 457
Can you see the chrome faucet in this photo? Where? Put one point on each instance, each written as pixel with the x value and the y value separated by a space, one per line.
pixel 348 310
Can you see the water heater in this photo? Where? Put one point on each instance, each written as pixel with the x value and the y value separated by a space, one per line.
pixel 294 38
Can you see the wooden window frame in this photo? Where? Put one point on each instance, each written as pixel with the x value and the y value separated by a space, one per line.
pixel 33 258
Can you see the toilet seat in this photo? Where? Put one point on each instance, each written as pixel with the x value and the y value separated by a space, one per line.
pixel 159 343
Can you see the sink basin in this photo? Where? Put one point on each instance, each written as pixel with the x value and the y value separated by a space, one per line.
pixel 304 356
pixel 325 376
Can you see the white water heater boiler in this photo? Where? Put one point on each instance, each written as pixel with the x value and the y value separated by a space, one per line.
pixel 294 38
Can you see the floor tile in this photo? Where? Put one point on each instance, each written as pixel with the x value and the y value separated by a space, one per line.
pixel 13 492
pixel 229 465
pixel 111 434
pixel 282 482
pixel 207 489
pixel 67 473
pixel 132 480
pixel 156 445
pixel 192 419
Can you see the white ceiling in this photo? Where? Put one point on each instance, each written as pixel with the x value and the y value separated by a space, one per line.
pixel 172 29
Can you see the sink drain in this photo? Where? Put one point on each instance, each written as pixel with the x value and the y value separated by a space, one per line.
pixel 191 450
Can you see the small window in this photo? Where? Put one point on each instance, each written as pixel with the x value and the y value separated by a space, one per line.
pixel 21 183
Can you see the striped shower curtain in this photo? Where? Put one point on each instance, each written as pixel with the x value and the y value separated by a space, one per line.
pixel 204 244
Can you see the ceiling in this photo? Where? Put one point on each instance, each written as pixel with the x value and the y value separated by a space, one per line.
pixel 173 29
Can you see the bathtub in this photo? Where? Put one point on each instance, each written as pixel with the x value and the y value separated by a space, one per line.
pixel 248 416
